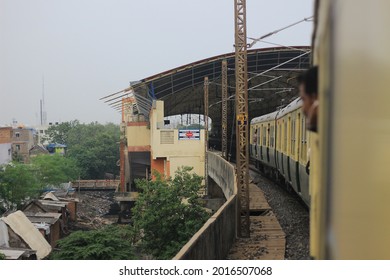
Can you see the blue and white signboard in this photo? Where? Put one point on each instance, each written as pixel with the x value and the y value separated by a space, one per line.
pixel 189 134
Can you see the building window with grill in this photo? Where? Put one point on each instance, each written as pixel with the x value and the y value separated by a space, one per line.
pixel 18 147
pixel 17 134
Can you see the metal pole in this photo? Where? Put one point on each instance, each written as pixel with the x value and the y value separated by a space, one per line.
pixel 242 155
pixel 224 109
pixel 122 149
pixel 206 131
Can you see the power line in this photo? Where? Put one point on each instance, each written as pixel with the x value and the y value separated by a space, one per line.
pixel 276 31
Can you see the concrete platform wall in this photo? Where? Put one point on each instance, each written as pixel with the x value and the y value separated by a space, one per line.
pixel 223 173
pixel 214 240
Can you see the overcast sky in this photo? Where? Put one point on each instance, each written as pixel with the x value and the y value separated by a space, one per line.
pixel 86 49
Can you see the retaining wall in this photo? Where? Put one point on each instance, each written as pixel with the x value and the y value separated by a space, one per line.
pixel 214 240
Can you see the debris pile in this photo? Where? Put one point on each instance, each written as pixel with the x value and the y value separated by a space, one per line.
pixel 93 210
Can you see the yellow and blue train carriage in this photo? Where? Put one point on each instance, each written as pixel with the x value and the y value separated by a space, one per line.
pixel 279 146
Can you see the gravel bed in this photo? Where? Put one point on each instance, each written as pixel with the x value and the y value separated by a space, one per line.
pixel 292 215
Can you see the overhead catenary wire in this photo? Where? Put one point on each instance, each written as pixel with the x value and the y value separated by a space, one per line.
pixel 255 40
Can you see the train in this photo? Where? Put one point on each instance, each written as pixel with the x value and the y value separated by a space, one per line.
pixel 348 189
pixel 279 145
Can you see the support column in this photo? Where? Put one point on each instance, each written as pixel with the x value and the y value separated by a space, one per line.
pixel 242 155
pixel 206 131
pixel 224 109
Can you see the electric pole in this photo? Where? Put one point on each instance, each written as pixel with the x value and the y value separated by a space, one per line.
pixel 242 152
pixel 206 131
pixel 224 109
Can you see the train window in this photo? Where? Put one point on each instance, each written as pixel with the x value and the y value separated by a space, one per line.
pixel 272 136
pixel 264 136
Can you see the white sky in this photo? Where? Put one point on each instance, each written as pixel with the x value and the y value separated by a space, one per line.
pixel 86 49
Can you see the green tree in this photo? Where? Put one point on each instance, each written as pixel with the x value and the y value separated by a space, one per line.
pixel 112 242
pixel 55 169
pixel 17 183
pixel 94 146
pixel 2 256
pixel 59 133
pixel 168 213
pixel 17 157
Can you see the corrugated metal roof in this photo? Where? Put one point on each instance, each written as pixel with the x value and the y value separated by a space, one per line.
pixel 12 254
pixel 43 219
pixel 53 203
pixel 19 223
pixel 50 196
pixel 4 237
pixel 16 253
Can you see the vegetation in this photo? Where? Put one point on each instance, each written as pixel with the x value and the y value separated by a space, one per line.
pixel 168 213
pixel 94 146
pixel 19 181
pixel 2 256
pixel 17 157
pixel 109 243
pixel 59 133
pixel 55 169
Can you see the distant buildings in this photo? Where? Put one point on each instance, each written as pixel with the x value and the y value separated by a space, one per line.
pixel 55 148
pixel 19 143
pixel 22 141
pixel 41 132
pixel 5 145
pixel 149 145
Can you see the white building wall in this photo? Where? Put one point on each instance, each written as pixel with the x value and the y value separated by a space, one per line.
pixel 5 153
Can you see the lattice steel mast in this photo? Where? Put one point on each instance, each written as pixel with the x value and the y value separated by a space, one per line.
pixel 224 109
pixel 206 131
pixel 242 155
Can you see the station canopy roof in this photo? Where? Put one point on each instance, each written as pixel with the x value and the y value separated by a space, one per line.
pixel 272 83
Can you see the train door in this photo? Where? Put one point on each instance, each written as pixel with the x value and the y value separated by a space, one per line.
pixel 289 144
pixel 284 148
pixel 261 142
pixel 268 141
pixel 254 141
pixel 277 145
pixel 257 141
pixel 298 146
